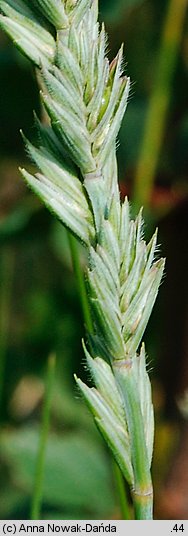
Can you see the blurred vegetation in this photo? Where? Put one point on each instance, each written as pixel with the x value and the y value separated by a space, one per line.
pixel 40 310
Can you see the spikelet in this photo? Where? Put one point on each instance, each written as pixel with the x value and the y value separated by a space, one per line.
pixel 85 98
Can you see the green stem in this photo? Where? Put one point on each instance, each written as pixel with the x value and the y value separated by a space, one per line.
pixel 142 492
pixel 39 473
pixel 159 103
pixel 5 297
pixel 143 505
pixel 80 283
pixel 120 486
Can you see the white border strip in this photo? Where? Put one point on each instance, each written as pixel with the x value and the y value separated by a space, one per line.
pixel 93 527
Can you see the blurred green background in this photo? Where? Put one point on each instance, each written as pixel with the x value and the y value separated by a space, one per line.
pixel 40 310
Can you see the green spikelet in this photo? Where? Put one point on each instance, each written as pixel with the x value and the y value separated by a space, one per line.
pixel 85 98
